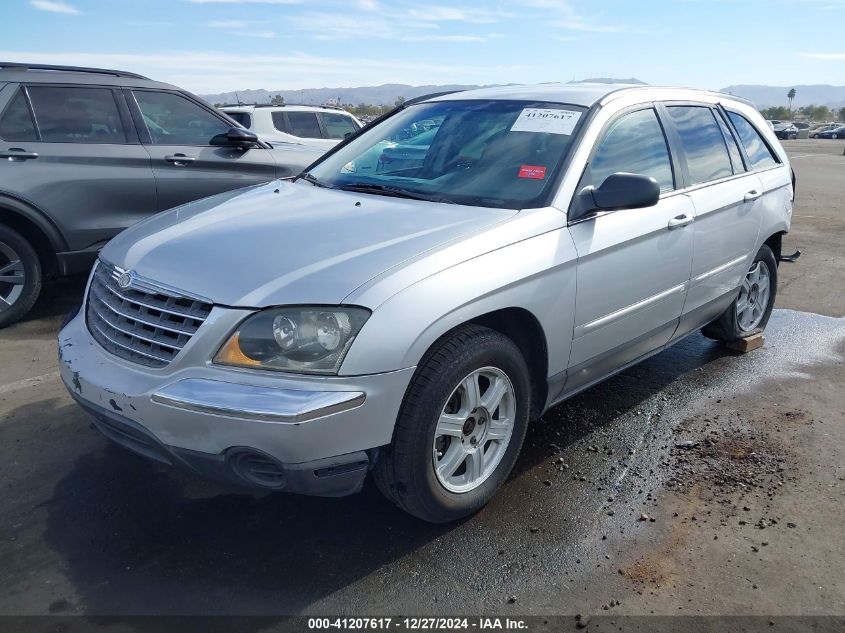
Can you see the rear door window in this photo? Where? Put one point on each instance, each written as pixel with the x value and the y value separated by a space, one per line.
pixel 338 125
pixel 635 144
pixel 703 143
pixel 76 114
pixel 758 151
pixel 176 120
pixel 16 124
pixel 302 124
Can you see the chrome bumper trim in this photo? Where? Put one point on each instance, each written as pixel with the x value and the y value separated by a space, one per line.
pixel 286 406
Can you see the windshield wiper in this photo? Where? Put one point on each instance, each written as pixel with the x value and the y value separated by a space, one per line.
pixel 316 181
pixel 395 192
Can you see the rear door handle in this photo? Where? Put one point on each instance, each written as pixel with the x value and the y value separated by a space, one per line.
pixel 180 160
pixel 18 154
pixel 752 195
pixel 680 220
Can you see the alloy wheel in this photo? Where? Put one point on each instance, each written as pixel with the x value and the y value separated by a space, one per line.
pixel 12 277
pixel 753 297
pixel 474 430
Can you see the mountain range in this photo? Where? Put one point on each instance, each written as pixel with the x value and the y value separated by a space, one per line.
pixel 387 94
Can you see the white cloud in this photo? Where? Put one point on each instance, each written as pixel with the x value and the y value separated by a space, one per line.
pixel 55 7
pixel 264 35
pixel 243 1
pixel 212 72
pixel 566 17
pixel 368 5
pixel 435 13
pixel 226 24
pixel 826 57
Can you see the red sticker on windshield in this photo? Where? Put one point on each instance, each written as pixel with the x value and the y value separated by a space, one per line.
pixel 532 171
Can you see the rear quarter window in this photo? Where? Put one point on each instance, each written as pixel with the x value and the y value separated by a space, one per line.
pixel 16 124
pixel 759 153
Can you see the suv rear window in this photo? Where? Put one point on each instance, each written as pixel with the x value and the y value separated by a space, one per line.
pixel 703 143
pixel 338 125
pixel 16 123
pixel 758 151
pixel 76 115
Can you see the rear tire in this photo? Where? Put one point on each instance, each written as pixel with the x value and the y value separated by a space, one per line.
pixel 20 276
pixel 460 427
pixel 749 313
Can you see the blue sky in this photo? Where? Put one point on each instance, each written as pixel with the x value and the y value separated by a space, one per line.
pixel 212 46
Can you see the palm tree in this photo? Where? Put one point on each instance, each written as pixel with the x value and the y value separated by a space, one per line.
pixel 791 96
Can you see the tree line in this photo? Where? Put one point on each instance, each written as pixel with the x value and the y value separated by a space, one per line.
pixel 812 112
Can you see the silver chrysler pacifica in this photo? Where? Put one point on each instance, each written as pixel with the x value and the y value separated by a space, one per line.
pixel 409 303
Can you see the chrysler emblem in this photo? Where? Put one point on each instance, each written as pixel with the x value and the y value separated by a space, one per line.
pixel 125 280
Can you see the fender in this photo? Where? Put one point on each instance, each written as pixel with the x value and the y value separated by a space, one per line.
pixel 18 206
pixel 402 328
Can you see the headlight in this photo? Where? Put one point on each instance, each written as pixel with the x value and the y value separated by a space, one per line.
pixel 311 339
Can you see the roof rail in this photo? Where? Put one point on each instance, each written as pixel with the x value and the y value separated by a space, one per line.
pixel 69 69
pixel 280 105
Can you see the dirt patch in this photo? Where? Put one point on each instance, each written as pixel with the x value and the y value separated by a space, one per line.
pixel 726 460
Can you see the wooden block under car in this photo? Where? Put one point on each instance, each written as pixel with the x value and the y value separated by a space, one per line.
pixel 747 344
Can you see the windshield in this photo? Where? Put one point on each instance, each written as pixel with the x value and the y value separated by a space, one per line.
pixel 503 154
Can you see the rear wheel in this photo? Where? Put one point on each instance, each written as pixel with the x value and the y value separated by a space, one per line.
pixel 750 311
pixel 460 428
pixel 20 276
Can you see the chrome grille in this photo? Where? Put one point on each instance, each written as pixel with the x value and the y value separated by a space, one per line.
pixel 145 323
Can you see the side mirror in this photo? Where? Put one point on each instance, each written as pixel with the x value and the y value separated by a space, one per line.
pixel 626 191
pixel 239 137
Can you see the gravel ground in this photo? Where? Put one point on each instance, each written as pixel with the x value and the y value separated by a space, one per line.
pixel 699 482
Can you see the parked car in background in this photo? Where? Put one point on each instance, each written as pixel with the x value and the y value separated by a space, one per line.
pixel 836 132
pixel 87 152
pixel 411 322
pixel 784 130
pixel 322 127
pixel 815 131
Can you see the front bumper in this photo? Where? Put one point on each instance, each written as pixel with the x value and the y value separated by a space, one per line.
pixel 307 434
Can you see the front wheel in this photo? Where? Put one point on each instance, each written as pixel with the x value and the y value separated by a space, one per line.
pixel 460 428
pixel 20 276
pixel 750 311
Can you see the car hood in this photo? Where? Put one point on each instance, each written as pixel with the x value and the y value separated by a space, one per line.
pixel 288 243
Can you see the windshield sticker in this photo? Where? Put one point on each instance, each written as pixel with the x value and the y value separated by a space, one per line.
pixel 546 120
pixel 537 172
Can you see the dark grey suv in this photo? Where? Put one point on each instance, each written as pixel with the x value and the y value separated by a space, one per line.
pixel 86 152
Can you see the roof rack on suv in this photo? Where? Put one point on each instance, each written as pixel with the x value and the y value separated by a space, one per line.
pixel 69 69
pixel 280 105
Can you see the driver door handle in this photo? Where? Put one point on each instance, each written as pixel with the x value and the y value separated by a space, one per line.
pixel 752 195
pixel 180 160
pixel 18 154
pixel 680 220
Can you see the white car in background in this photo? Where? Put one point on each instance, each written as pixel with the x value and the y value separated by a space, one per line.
pixel 322 127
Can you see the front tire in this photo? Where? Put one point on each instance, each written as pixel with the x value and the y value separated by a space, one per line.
pixel 20 276
pixel 460 427
pixel 749 313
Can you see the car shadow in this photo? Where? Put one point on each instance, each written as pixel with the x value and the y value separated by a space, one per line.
pixel 138 538
pixel 58 297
